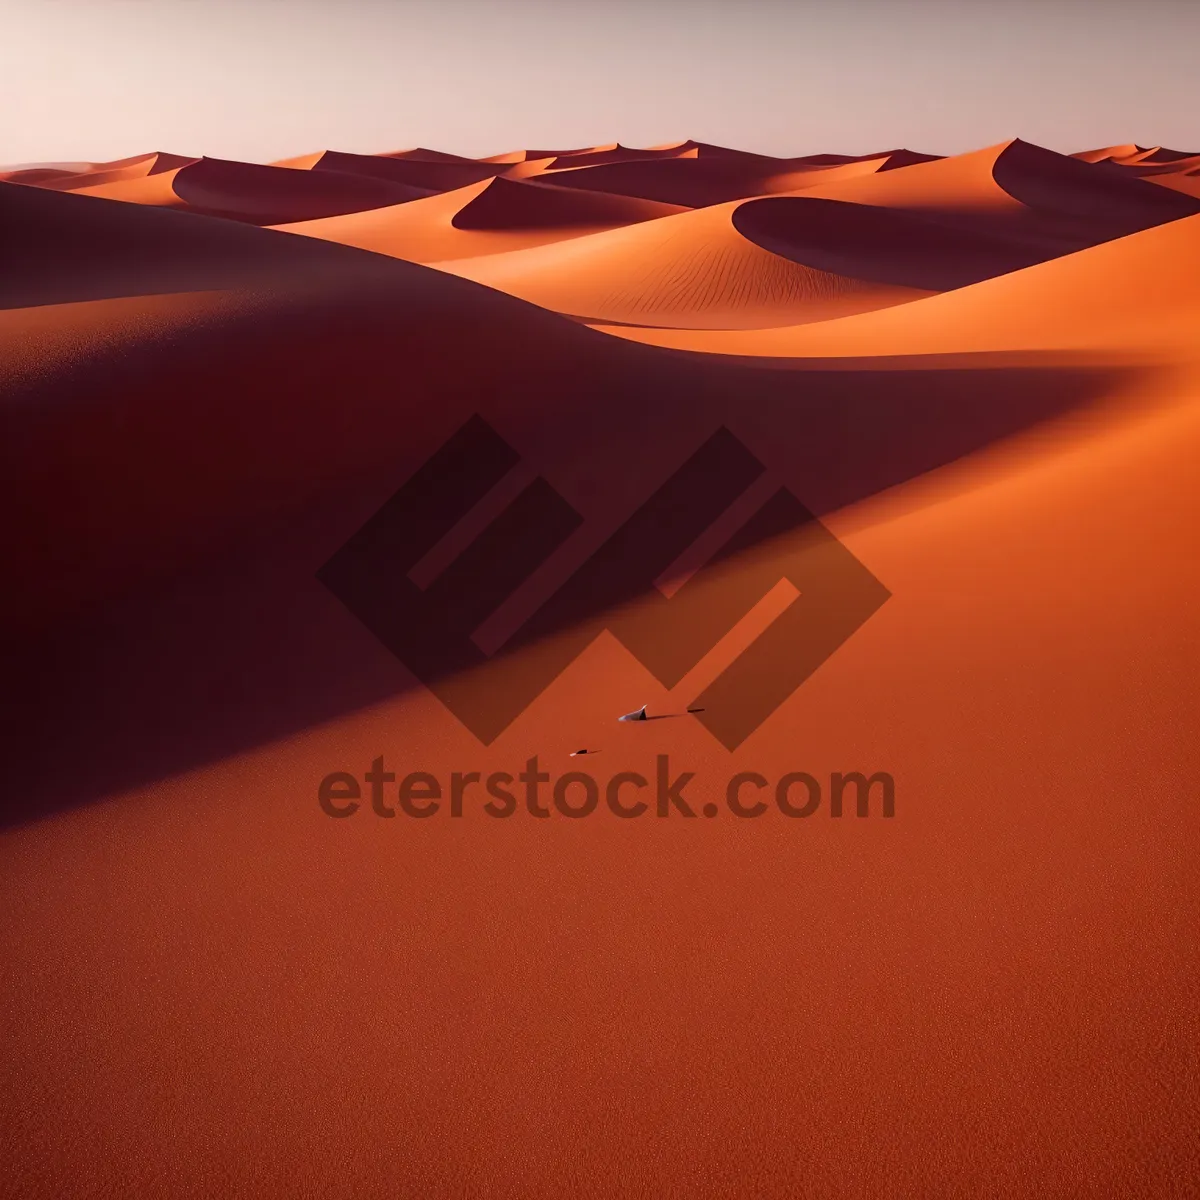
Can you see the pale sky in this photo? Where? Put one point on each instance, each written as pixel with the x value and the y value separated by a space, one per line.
pixel 263 79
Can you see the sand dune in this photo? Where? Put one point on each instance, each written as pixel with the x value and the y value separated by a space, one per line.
pixel 1127 294
pixel 65 170
pixel 1106 152
pixel 34 173
pixel 693 270
pixel 689 149
pixel 75 248
pixel 255 194
pixel 1145 169
pixel 1174 169
pixel 883 245
pixel 428 175
pixel 700 182
pixel 142 166
pixel 78 176
pixel 1051 203
pixel 1164 154
pixel 272 195
pixel 305 162
pixel 895 158
pixel 484 218
pixel 982 373
pixel 513 156
pixel 528 168
pixel 623 154
pixel 804 257
pixel 506 205
pixel 1052 183
pixel 156 190
pixel 1016 181
pixel 964 182
pixel 299 162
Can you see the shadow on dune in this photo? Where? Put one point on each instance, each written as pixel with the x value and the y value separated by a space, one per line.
pixel 68 249
pixel 883 245
pixel 266 195
pixel 1053 183
pixel 248 647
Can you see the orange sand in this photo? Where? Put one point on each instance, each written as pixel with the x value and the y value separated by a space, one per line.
pixel 692 270
pixel 482 218
pixel 982 372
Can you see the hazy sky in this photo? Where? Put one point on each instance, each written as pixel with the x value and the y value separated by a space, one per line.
pixel 262 79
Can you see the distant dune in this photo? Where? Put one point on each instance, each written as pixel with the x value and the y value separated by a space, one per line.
pixel 695 182
pixel 484 218
pixel 429 176
pixel 979 373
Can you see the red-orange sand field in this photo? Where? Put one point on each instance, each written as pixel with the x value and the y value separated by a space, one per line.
pixel 980 372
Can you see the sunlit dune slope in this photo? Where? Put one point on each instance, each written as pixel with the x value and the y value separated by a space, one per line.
pixel 1141 291
pixel 137 167
pixel 769 261
pixel 528 168
pixel 484 218
pixel 67 176
pixel 691 270
pixel 156 190
pixel 142 167
pixel 125 178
